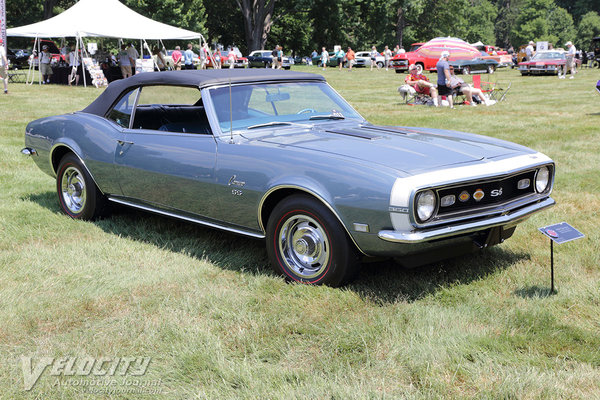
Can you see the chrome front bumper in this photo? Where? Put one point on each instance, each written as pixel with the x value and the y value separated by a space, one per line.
pixel 510 218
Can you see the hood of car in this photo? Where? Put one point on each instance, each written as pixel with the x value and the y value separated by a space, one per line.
pixel 410 150
pixel 542 62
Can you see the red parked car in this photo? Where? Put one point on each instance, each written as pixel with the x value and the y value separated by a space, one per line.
pixel 427 55
pixel 549 62
pixel 240 62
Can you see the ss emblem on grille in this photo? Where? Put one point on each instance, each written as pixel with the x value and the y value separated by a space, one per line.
pixel 496 192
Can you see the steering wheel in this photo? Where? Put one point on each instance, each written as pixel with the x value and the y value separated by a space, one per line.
pixel 307 110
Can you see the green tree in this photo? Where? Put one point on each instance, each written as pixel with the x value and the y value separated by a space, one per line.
pixel 186 14
pixel 578 8
pixel 225 24
pixel 588 28
pixel 561 28
pixel 543 20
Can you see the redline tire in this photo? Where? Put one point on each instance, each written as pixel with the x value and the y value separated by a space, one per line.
pixel 78 195
pixel 306 243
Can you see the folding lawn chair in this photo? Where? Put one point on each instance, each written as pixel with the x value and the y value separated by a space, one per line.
pixel 411 97
pixel 491 89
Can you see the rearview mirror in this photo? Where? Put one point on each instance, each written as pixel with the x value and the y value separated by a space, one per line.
pixel 277 97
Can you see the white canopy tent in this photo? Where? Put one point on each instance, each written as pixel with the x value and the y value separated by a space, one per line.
pixel 103 18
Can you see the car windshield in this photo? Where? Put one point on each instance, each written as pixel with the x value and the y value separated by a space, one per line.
pixel 553 55
pixel 263 105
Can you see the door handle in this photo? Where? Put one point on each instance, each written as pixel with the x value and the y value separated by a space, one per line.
pixel 123 142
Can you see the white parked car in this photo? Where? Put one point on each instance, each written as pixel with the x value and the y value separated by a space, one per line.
pixel 363 58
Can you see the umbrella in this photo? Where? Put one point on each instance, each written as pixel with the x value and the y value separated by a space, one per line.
pixel 459 49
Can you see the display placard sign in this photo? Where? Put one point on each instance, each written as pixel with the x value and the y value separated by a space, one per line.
pixel 92 48
pixel 561 233
pixel 3 22
pixel 541 46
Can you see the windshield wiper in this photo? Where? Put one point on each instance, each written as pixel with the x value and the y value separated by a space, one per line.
pixel 277 123
pixel 330 116
pixel 272 123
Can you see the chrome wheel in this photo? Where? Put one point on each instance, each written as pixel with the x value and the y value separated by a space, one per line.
pixel 73 189
pixel 304 245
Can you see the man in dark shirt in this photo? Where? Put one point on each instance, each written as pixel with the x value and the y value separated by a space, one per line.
pixel 443 81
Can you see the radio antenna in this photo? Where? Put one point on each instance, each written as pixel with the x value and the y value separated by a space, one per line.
pixel 230 114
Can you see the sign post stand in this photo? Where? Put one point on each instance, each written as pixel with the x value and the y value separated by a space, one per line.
pixel 559 233
pixel 552 289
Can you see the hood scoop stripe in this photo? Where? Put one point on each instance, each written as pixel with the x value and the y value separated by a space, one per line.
pixel 388 129
pixel 354 133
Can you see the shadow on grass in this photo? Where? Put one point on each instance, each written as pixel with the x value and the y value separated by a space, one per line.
pixel 381 282
pixel 532 292
pixel 387 282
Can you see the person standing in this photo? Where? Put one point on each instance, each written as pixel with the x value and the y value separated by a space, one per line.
pixel 529 51
pixel 443 81
pixel 350 57
pixel 279 57
pixel 177 56
pixel 75 64
pixel 570 59
pixel 314 54
pixel 324 57
pixel 387 54
pixel 339 55
pixel 125 62
pixel 188 57
pixel 231 58
pixel 3 66
pixel 374 55
pixel 45 68
pixel 133 56
pixel 217 57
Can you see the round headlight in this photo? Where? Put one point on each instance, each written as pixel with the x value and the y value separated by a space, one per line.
pixel 425 205
pixel 542 179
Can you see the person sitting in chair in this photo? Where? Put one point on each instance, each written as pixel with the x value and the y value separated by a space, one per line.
pixel 421 83
pixel 459 86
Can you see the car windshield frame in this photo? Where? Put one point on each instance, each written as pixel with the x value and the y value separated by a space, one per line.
pixel 549 56
pixel 248 118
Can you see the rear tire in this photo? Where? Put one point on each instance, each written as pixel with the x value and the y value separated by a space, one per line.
pixel 78 195
pixel 306 243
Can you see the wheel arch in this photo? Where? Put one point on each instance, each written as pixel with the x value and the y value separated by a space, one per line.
pixel 58 151
pixel 277 193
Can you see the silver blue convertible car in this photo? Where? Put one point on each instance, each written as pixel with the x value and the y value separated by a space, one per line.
pixel 281 156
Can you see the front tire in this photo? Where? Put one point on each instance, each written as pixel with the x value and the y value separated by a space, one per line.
pixel 306 243
pixel 78 195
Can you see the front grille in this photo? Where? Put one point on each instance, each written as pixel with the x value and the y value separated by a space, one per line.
pixel 495 192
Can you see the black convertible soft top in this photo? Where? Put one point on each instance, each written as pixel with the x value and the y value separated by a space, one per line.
pixel 194 78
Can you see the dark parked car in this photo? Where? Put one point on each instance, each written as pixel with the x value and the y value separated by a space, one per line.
pixel 281 156
pixel 264 59
pixel 18 58
pixel 475 66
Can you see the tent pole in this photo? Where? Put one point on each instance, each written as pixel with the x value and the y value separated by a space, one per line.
pixel 210 54
pixel 31 71
pixel 80 41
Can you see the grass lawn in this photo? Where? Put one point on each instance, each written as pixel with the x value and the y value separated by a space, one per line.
pixel 217 323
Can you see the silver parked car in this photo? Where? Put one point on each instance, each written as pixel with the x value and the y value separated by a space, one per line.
pixel 363 59
pixel 280 156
